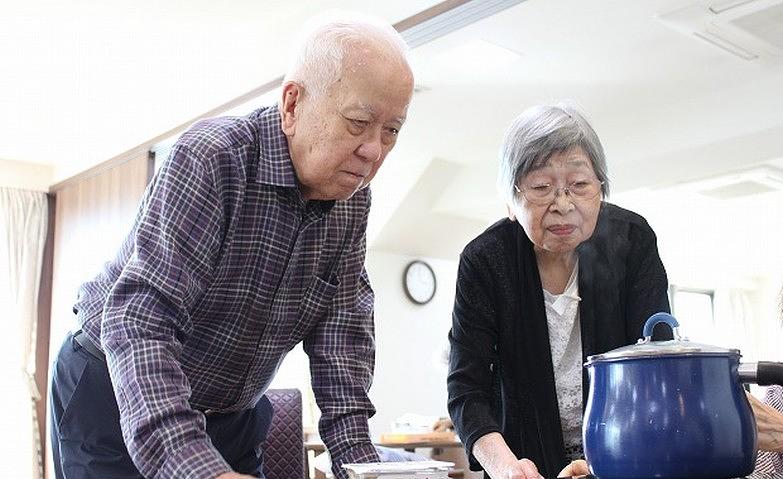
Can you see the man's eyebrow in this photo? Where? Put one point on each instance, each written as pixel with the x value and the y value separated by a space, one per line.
pixel 371 111
pixel 367 109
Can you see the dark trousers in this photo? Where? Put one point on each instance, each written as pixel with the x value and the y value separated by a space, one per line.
pixel 85 431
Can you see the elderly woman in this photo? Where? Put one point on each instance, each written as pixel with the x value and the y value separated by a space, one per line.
pixel 567 275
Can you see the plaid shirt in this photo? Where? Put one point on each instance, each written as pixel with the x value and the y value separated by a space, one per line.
pixel 224 271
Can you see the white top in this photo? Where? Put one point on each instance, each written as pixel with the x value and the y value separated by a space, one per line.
pixel 565 341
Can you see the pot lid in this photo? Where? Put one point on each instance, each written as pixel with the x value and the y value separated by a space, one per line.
pixel 647 348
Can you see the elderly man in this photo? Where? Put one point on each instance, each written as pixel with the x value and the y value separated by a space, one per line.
pixel 250 239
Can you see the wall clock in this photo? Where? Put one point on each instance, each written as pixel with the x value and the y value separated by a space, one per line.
pixel 419 282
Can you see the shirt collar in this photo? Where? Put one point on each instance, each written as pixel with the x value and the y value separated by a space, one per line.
pixel 274 164
pixel 572 289
pixel 561 302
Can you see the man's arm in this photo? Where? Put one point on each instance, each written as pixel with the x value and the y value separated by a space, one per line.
pixel 342 358
pixel 146 316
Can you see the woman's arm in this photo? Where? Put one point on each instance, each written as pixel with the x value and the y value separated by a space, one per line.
pixel 473 357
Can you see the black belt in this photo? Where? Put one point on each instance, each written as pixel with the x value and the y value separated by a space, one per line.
pixel 88 345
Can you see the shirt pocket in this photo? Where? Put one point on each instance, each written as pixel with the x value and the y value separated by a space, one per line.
pixel 315 303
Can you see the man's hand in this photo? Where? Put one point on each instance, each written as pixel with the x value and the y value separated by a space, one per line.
pixel 769 422
pixel 233 475
pixel 575 469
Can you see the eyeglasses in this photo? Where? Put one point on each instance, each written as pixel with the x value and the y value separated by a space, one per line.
pixel 545 193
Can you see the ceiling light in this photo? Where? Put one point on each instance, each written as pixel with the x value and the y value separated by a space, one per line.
pixel 730 47
pixel 446 17
pixel 721 7
pixel 736 184
pixel 477 55
pixel 748 29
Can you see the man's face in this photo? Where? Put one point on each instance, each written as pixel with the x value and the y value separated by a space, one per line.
pixel 338 140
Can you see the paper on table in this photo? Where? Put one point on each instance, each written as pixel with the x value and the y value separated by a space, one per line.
pixel 409 466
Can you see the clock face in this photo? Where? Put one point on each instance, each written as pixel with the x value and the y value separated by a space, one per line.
pixel 419 282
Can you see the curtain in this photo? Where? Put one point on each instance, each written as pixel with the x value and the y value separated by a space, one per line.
pixel 734 322
pixel 23 222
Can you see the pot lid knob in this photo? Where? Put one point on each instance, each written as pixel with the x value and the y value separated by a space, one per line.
pixel 656 318
pixel 647 348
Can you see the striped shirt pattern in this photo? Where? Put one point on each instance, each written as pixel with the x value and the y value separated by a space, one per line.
pixel 771 463
pixel 224 271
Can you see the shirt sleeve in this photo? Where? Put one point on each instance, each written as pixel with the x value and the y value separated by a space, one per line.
pixel 342 358
pixel 146 316
pixel 472 356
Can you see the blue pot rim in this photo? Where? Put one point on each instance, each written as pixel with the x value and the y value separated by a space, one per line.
pixel 608 358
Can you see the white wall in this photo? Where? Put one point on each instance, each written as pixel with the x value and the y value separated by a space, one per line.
pixel 25 176
pixel 410 375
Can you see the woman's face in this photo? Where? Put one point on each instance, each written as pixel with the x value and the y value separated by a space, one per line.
pixel 560 225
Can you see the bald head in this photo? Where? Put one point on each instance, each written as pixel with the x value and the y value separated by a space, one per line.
pixel 330 49
pixel 343 103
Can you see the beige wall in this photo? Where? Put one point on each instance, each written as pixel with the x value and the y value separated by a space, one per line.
pixel 25 176
pixel 93 214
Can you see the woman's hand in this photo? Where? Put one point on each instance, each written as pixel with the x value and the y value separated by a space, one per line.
pixel 575 469
pixel 233 475
pixel 521 469
pixel 499 462
pixel 769 422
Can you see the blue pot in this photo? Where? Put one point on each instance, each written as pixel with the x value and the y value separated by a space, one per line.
pixel 671 409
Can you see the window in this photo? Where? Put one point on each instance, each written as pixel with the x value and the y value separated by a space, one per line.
pixel 694 309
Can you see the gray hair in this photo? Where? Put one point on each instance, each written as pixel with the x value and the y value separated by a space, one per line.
pixel 539 132
pixel 318 59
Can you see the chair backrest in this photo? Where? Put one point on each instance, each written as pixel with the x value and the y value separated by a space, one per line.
pixel 284 446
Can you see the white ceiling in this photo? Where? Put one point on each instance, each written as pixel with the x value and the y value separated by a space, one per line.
pixel 667 106
pixel 85 81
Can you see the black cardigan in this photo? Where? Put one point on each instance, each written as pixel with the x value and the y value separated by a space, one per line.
pixel 501 377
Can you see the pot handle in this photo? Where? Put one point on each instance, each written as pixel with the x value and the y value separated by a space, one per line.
pixel 656 318
pixel 763 373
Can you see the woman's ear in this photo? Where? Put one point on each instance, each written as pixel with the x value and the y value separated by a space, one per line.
pixel 289 103
pixel 511 214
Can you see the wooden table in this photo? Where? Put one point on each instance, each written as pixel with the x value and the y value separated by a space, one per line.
pixel 411 446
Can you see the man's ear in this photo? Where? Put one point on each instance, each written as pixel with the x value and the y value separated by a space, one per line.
pixel 289 103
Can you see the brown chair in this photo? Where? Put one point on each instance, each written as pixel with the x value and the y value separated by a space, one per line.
pixel 284 446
